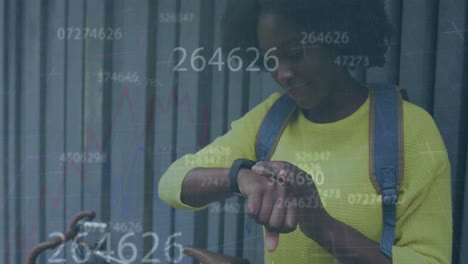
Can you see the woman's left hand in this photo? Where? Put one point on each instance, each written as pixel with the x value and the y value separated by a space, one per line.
pixel 311 215
pixel 207 257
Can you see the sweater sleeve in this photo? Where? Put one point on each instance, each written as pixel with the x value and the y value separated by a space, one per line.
pixel 238 142
pixel 426 233
pixel 424 224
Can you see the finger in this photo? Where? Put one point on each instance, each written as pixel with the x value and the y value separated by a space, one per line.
pixel 278 216
pixel 290 222
pixel 201 255
pixel 287 177
pixel 261 169
pixel 208 257
pixel 283 172
pixel 283 175
pixel 266 208
pixel 273 167
pixel 279 175
pixel 254 204
pixel 271 240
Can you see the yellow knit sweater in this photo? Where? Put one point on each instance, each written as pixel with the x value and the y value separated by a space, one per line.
pixel 337 156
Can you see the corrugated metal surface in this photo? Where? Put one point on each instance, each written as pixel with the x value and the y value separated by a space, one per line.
pixel 55 103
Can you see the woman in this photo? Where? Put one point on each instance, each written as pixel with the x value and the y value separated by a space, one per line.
pixel 328 137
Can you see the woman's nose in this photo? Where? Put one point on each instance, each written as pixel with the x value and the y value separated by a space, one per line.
pixel 284 74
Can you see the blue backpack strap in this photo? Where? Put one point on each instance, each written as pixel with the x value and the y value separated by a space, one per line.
pixel 270 132
pixel 386 155
pixel 273 126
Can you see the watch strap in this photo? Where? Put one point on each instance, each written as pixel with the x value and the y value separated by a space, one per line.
pixel 234 171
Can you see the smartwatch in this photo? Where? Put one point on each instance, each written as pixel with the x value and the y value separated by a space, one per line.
pixel 234 171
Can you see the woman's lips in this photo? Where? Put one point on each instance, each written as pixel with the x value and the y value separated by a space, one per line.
pixel 293 92
pixel 297 90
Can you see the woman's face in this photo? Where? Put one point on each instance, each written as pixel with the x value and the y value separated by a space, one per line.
pixel 305 72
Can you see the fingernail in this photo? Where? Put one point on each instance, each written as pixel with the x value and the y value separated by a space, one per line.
pixel 269 244
pixel 271 241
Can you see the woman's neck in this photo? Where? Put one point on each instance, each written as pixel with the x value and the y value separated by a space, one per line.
pixel 346 96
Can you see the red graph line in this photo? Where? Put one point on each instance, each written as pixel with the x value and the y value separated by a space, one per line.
pixel 137 135
pixel 124 97
pixel 54 201
pixel 142 37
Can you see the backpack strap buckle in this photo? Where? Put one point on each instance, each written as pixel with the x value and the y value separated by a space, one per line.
pixel 388 179
pixel 389 196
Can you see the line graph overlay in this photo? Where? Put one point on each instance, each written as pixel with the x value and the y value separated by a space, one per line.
pixel 14 112
pixel 61 177
pixel 190 37
pixel 163 134
pixel 55 196
pixel 74 117
pixel 4 138
pixel 54 136
pixel 29 168
pixel 128 189
pixel 93 116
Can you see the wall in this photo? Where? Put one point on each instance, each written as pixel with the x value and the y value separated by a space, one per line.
pixel 60 99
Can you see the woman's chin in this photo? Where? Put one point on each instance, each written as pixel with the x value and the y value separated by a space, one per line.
pixel 305 102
